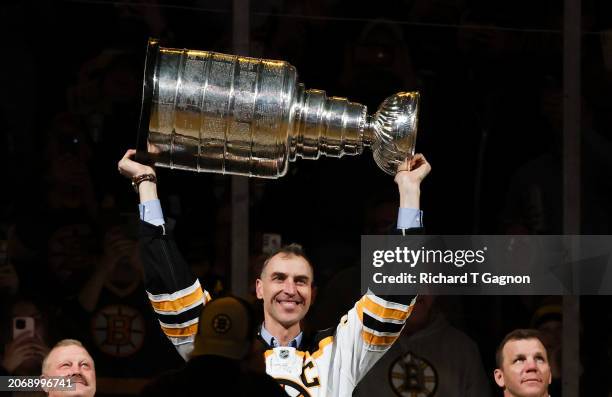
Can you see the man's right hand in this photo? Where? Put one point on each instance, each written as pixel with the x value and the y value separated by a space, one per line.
pixel 130 168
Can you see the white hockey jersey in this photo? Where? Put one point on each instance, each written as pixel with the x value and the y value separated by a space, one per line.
pixel 331 364
pixel 339 357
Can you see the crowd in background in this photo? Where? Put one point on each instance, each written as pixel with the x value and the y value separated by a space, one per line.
pixel 490 77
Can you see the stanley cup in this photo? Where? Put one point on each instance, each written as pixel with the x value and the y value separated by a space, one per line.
pixel 209 112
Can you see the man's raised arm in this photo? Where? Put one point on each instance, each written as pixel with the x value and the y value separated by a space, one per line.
pixel 174 292
pixel 370 328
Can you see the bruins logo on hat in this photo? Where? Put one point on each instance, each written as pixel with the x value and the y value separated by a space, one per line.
pixel 221 323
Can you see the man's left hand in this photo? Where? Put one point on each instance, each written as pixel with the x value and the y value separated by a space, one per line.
pixel 409 176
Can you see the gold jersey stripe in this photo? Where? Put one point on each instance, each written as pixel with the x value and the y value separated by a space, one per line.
pixel 178 332
pixel 372 339
pixel 180 303
pixel 381 311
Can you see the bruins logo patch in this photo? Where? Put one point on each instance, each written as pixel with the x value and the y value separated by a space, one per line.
pixel 413 376
pixel 118 330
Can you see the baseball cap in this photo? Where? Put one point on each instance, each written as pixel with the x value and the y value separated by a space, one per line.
pixel 225 329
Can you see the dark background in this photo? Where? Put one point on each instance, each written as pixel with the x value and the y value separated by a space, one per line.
pixel 490 76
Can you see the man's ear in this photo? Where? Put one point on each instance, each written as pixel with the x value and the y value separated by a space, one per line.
pixel 259 288
pixel 550 378
pixel 498 375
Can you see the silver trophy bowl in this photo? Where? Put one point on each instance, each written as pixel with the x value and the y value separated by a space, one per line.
pixel 209 112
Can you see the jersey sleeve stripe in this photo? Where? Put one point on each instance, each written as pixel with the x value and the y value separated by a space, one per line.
pixel 175 295
pixel 404 300
pixel 177 332
pixel 182 317
pixel 177 341
pixel 372 339
pixel 179 304
pixel 374 324
pixel 362 310
pixel 382 312
pixel 179 325
pixel 387 303
pixel 199 302
pixel 380 333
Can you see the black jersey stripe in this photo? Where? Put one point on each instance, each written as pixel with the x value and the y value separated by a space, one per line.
pixel 376 325
pixel 183 317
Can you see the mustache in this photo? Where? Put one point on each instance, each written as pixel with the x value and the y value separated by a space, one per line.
pixel 78 378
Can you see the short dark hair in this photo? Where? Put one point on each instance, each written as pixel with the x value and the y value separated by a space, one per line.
pixel 517 334
pixel 287 250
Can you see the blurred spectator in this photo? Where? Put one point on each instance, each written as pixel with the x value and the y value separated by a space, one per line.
pixel 431 358
pixel 71 255
pixel 106 98
pixel 69 158
pixel 331 300
pixel 226 353
pixel 198 253
pixel 26 338
pixel 54 236
pixel 9 280
pixel 483 38
pixel 103 82
pixel 534 203
pixel 380 214
pixel 139 19
pixel 122 334
pixel 379 59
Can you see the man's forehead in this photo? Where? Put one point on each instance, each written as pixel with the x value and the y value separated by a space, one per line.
pixel 288 264
pixel 525 347
pixel 71 352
